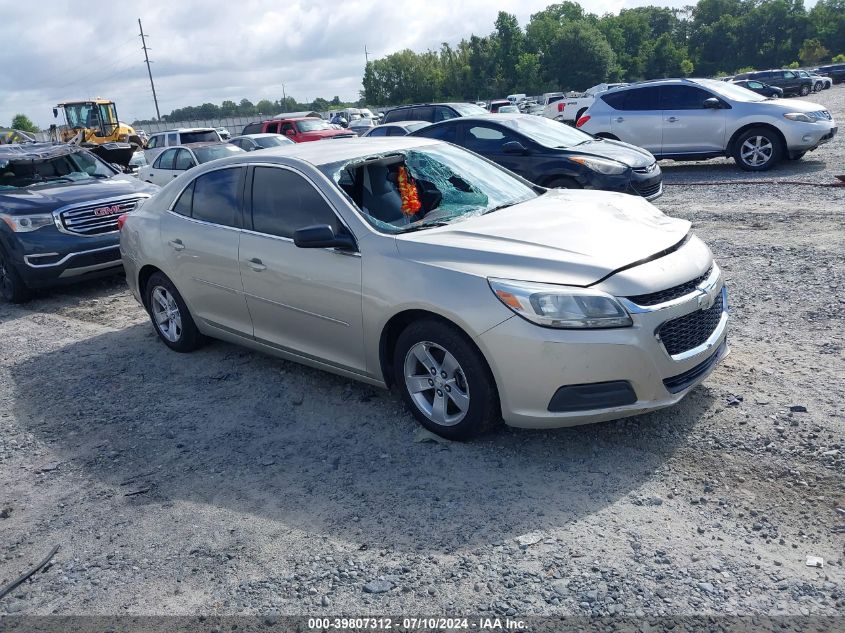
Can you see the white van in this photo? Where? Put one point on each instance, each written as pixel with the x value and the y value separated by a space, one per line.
pixel 515 99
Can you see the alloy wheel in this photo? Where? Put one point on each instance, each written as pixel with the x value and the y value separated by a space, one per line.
pixel 436 383
pixel 756 151
pixel 168 318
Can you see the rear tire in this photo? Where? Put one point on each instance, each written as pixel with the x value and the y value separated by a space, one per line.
pixel 445 381
pixel 12 287
pixel 170 316
pixel 757 149
pixel 818 87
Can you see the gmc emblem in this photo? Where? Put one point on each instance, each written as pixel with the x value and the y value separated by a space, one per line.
pixel 101 211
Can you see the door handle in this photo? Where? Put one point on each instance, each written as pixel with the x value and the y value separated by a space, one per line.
pixel 619 119
pixel 256 264
pixel 177 245
pixel 672 119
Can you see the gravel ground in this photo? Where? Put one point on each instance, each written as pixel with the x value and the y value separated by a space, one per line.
pixel 227 482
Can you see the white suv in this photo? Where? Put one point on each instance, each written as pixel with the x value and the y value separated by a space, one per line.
pixel 171 138
pixel 695 119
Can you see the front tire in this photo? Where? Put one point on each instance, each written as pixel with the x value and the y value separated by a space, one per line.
pixel 12 287
pixel 805 90
pixel 758 149
pixel 563 182
pixel 170 316
pixel 445 381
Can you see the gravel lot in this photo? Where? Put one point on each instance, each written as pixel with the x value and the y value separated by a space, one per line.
pixel 227 482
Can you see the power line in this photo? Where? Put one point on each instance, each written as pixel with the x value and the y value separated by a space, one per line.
pixel 149 72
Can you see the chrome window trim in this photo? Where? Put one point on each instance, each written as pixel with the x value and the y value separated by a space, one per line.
pixel 707 287
pixel 57 219
pixel 66 257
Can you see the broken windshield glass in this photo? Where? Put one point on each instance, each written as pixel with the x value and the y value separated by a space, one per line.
pixel 427 186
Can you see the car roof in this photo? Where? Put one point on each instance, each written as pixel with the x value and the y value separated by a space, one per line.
pixel 259 135
pixel 37 151
pixel 332 151
pixel 199 144
pixel 183 130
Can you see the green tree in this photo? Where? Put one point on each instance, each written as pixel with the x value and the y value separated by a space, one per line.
pixel 812 52
pixel 246 108
pixel 528 71
pixel 827 23
pixel 265 106
pixel 838 59
pixel 24 123
pixel 508 38
pixel 228 108
pixel 583 57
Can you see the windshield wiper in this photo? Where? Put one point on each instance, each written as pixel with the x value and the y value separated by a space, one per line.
pixel 45 181
pixel 498 208
pixel 425 225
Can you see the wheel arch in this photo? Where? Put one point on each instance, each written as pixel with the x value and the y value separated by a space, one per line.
pixel 739 132
pixel 396 324
pixel 147 271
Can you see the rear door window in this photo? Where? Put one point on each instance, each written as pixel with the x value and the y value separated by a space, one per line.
pixel 424 113
pixel 283 201
pixel 173 139
pixel 615 100
pixel 209 136
pixel 216 197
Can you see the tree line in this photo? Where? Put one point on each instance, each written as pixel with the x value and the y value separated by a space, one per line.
pixel 564 47
pixel 249 109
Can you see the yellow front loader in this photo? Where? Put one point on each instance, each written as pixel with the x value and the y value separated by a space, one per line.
pixel 94 124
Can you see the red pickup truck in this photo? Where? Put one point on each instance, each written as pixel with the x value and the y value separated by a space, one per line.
pixel 298 129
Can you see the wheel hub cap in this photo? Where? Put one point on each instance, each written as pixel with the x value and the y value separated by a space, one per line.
pixel 168 318
pixel 756 151
pixel 436 383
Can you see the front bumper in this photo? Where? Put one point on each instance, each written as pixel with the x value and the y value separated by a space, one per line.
pixel 47 257
pixel 531 364
pixel 804 137
pixel 645 183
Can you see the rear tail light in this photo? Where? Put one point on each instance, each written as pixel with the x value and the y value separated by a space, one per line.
pixel 121 220
pixel 582 120
pixel 561 106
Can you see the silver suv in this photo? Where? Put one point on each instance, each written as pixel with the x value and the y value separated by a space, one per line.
pixel 695 119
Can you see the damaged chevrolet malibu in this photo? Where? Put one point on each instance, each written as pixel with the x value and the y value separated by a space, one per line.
pixel 414 264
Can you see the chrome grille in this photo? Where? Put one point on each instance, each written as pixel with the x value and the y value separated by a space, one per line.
pixel 95 219
pixel 691 330
pixel 675 292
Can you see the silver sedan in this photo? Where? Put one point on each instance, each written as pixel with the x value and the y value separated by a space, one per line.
pixel 415 264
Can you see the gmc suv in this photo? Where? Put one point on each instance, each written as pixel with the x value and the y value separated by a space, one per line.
pixel 696 119
pixel 432 112
pixel 790 81
pixel 59 206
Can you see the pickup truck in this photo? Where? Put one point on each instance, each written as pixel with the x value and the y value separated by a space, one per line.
pixel 298 129
pixel 573 105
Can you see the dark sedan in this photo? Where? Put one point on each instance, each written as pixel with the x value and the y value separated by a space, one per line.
pixel 759 87
pixel 553 155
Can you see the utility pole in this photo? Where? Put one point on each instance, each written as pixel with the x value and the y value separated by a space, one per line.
pixel 284 97
pixel 366 56
pixel 149 72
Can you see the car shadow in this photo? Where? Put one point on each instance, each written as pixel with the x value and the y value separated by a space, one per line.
pixel 235 429
pixel 808 169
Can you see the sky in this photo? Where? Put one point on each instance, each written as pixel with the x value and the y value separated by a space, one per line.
pixel 213 50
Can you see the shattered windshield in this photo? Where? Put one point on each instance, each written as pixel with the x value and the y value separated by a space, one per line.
pixel 30 172
pixel 412 189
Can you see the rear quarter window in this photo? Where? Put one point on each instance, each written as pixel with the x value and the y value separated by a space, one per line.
pixel 615 100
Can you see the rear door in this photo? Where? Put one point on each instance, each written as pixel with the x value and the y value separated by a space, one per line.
pixel 201 235
pixel 639 121
pixel 689 127
pixel 302 300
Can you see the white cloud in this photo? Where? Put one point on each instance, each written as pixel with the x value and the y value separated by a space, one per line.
pixel 211 51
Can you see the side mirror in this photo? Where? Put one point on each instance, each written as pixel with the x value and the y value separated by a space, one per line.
pixel 322 236
pixel 712 103
pixel 514 147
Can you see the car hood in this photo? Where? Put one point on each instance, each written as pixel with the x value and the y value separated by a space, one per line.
pixel 792 105
pixel 317 134
pixel 623 152
pixel 564 236
pixel 48 199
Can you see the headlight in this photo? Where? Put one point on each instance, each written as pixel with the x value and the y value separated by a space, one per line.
pixel 601 165
pixel 799 116
pixel 560 306
pixel 27 223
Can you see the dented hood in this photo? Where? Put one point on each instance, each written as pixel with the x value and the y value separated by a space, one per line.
pixel 563 236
